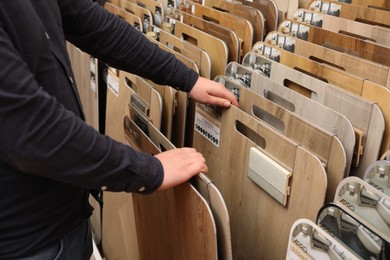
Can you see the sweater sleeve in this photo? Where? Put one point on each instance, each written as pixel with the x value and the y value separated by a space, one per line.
pixel 117 43
pixel 39 136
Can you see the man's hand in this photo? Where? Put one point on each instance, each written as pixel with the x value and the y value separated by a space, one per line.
pixel 180 165
pixel 210 92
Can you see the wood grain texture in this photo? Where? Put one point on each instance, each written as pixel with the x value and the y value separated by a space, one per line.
pixel 253 213
pixel 340 42
pixel 327 73
pixel 273 89
pixel 220 32
pixel 86 80
pixel 182 118
pixel 376 92
pixel 151 98
pixel 363 68
pixel 326 146
pixel 216 48
pixel 242 27
pixel 144 14
pixel 132 19
pixel 156 8
pixel 172 224
pixel 353 12
pixel 286 8
pixel 205 186
pixel 336 98
pixel 377 34
pixel 184 51
pixel 378 4
pixel 270 11
pixel 119 237
pixel 253 15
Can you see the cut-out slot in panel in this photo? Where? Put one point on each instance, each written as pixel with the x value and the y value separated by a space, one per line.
pixel 311 74
pixel 210 19
pixel 300 89
pixel 356 36
pixel 130 84
pixel 130 11
pixel 268 118
pixel 250 134
pixel 319 60
pixel 269 175
pixel 279 100
pixel 190 39
pixel 340 49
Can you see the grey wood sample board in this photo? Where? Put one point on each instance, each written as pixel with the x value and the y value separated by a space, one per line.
pixel 326 146
pixel 255 213
pixel 336 98
pixel 267 82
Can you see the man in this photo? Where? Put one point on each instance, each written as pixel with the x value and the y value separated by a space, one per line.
pixel 49 158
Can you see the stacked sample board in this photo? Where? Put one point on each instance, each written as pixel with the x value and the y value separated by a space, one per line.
pixel 298 166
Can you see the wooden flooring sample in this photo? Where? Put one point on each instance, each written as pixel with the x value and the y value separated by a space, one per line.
pixel 357 66
pixel 255 214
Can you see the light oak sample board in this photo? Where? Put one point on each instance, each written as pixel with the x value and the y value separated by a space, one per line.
pixel 357 66
pixel 377 34
pixel 368 137
pixel 253 15
pixel 352 12
pixel 132 19
pixel 220 32
pixel 176 223
pixel 181 134
pixel 286 8
pixel 269 10
pixel 119 236
pixel 340 42
pixel 155 140
pixel 85 72
pixel 270 86
pixel 144 14
pixel 242 27
pixel 326 146
pixel 144 98
pixel 184 48
pixel 156 8
pixel 378 4
pixel 254 213
pixel 215 48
